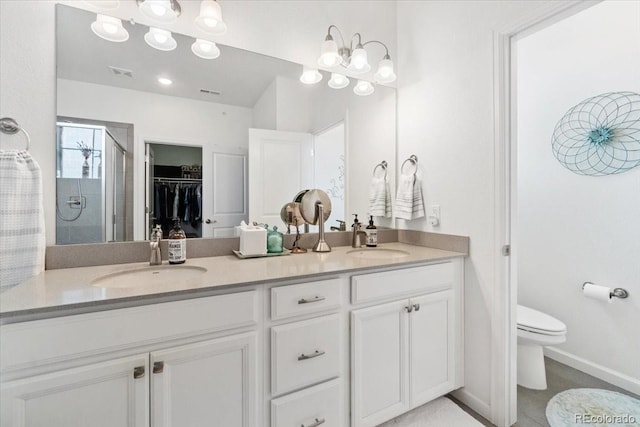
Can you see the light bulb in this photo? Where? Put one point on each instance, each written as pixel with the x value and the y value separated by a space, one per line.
pixel 109 28
pixel 363 88
pixel 385 72
pixel 329 56
pixel 359 63
pixel 205 49
pixel 210 18
pixel 338 81
pixel 310 76
pixel 160 39
pixel 159 11
pixel 165 81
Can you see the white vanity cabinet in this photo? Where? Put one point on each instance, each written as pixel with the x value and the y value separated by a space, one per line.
pixel 406 352
pixel 173 364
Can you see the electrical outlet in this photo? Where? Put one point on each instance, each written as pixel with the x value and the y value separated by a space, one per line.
pixel 434 215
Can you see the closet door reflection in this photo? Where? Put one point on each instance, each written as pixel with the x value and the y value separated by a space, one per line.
pixel 174 180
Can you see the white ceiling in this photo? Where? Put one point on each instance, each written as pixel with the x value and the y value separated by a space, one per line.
pixel 241 76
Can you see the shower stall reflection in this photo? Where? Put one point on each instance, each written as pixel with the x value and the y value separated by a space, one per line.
pixel 90 185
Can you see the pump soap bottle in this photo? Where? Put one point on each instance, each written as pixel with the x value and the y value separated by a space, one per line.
pixel 372 234
pixel 177 244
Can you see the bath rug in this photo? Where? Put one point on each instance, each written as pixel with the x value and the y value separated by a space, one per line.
pixel 441 412
pixel 593 407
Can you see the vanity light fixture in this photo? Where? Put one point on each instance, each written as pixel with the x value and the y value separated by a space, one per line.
pixel 109 28
pixel 210 18
pixel 163 11
pixel 205 49
pixel 160 39
pixel 363 88
pixel 165 81
pixel 310 75
pixel 354 59
pixel 338 81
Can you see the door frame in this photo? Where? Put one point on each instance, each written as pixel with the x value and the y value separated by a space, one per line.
pixel 503 315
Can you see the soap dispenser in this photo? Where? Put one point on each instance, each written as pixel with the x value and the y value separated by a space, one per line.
pixel 372 234
pixel 177 244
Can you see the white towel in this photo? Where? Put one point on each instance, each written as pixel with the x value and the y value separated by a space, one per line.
pixel 380 197
pixel 22 238
pixel 409 203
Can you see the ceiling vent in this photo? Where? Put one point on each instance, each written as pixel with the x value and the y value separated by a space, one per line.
pixel 210 92
pixel 122 72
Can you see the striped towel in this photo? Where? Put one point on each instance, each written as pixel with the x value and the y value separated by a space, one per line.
pixel 409 203
pixel 22 238
pixel 380 197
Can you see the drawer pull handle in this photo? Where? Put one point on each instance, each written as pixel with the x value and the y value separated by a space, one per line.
pixel 409 308
pixel 316 353
pixel 158 367
pixel 138 372
pixel 314 299
pixel 316 423
pixel 416 307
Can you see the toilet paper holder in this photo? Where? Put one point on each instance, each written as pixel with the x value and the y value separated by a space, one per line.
pixel 617 292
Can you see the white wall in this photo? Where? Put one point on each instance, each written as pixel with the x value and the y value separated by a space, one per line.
pixel 288 30
pixel 445 117
pixel 164 119
pixel 574 228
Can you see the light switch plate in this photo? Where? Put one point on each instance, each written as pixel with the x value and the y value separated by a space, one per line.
pixel 434 215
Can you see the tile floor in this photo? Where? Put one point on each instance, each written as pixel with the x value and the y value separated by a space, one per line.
pixel 533 403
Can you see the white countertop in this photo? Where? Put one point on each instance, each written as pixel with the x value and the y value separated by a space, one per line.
pixel 56 291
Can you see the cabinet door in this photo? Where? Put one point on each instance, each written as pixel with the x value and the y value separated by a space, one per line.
pixel 431 347
pixel 211 383
pixel 379 363
pixel 108 394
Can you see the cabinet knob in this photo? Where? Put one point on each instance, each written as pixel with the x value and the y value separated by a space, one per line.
pixel 138 372
pixel 416 307
pixel 315 423
pixel 409 308
pixel 311 356
pixel 158 367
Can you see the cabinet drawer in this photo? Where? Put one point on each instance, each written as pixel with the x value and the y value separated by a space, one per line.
pixel 315 406
pixel 376 286
pixel 306 352
pixel 312 297
pixel 42 342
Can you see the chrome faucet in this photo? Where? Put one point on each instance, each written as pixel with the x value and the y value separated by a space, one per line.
pixel 358 236
pixel 343 226
pixel 154 244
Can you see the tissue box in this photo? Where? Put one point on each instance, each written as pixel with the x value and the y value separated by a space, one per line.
pixel 253 241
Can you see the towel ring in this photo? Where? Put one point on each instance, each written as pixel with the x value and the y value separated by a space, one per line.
pixel 10 127
pixel 413 159
pixel 383 165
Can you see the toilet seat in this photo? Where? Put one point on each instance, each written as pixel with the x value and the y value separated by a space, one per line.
pixel 534 321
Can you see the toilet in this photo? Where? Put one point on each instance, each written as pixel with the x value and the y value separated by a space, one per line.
pixel 536 330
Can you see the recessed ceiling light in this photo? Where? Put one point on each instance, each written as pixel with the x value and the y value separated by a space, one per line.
pixel 165 81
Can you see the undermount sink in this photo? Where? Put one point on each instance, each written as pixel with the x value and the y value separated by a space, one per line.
pixel 378 253
pixel 147 277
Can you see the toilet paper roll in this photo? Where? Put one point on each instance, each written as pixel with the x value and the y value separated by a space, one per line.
pixel 601 293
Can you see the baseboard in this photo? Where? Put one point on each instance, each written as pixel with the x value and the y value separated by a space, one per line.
pixel 605 374
pixel 473 402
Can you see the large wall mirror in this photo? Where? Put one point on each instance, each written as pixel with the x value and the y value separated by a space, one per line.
pixel 146 136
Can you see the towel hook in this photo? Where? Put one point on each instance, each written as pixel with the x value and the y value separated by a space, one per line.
pixel 413 159
pixel 10 127
pixel 383 164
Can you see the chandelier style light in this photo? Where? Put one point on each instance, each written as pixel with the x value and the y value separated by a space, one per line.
pixel 165 12
pixel 353 58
